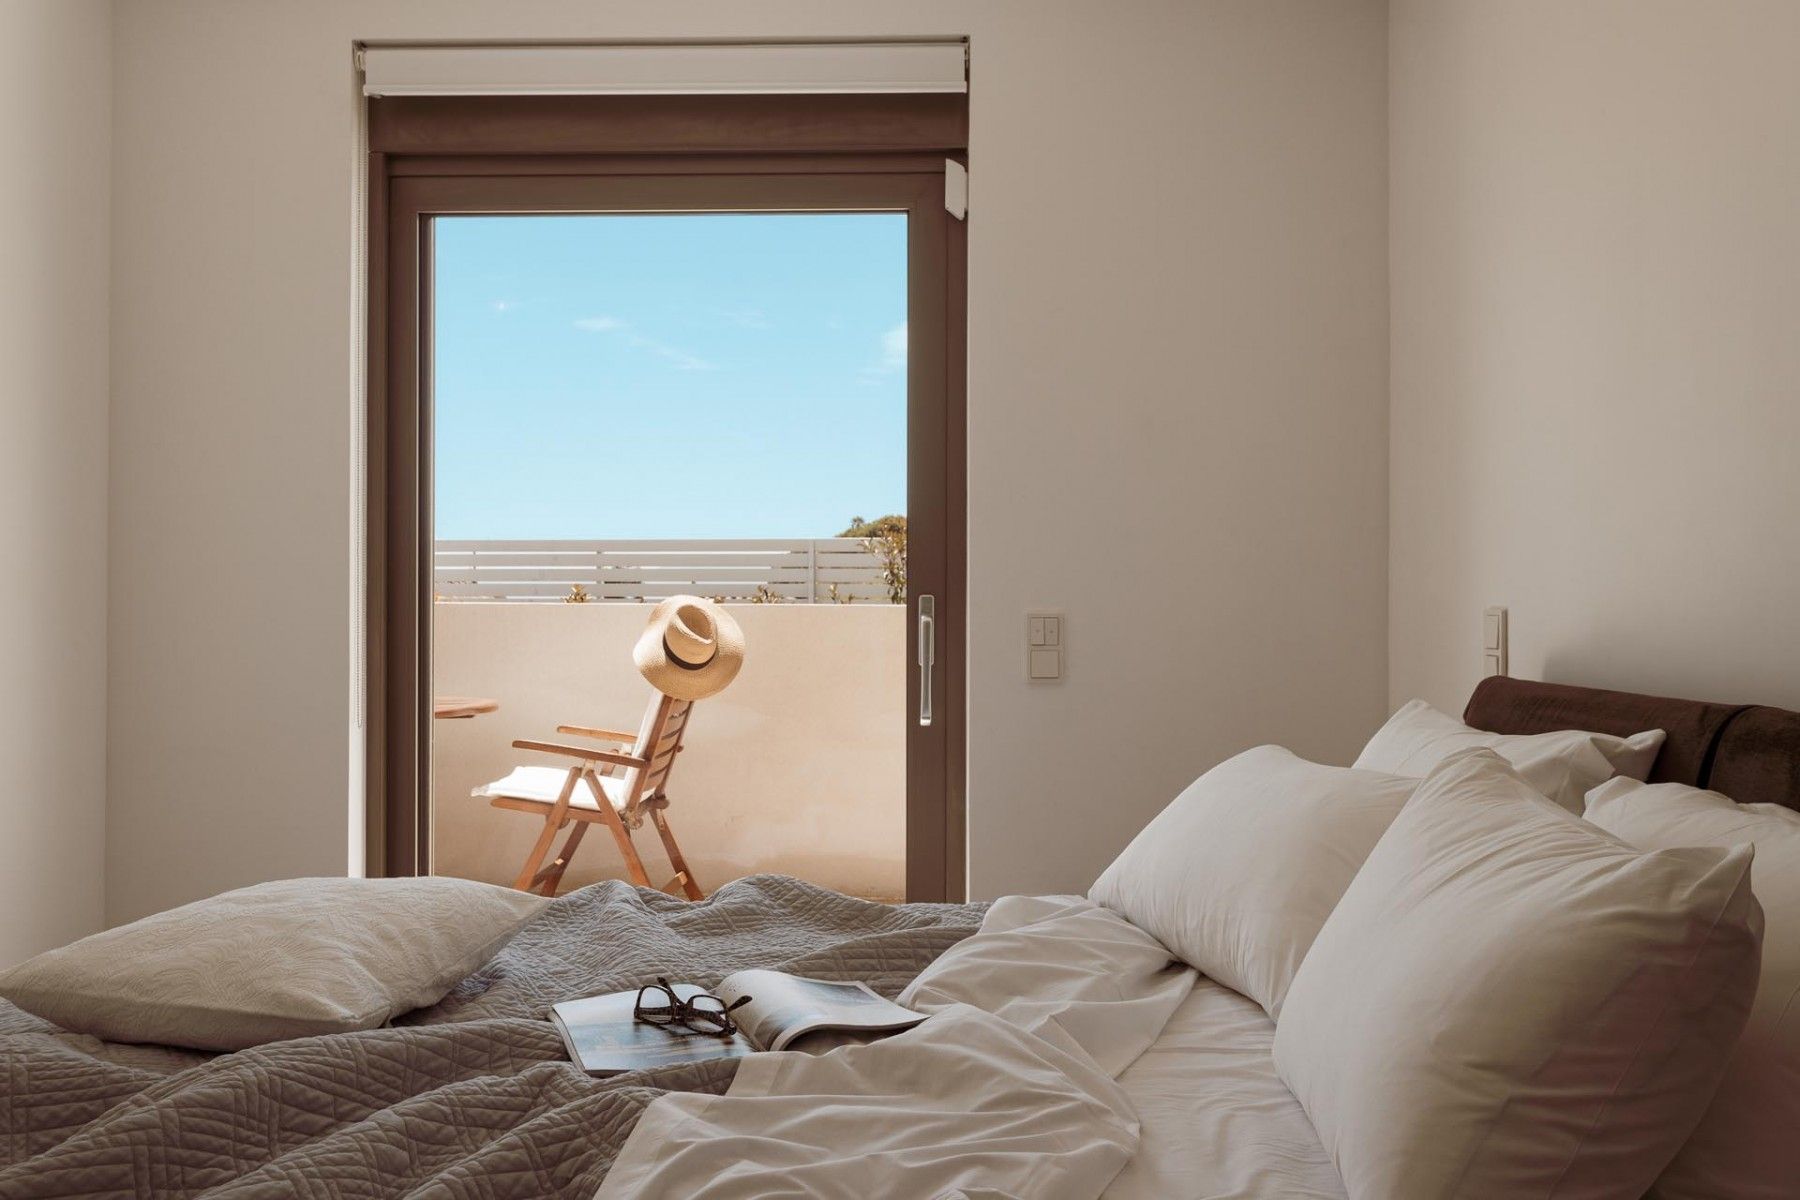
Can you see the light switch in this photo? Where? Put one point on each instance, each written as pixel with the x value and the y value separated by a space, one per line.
pixel 1493 641
pixel 1043 645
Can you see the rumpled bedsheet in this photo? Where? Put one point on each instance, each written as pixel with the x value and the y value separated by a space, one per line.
pixel 1006 1092
pixel 473 1097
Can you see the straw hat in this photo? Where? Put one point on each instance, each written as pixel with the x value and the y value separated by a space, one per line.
pixel 691 649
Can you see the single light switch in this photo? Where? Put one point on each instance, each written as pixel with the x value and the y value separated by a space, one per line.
pixel 1043 646
pixel 1493 641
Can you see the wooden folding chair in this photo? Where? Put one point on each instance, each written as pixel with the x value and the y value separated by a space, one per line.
pixel 617 789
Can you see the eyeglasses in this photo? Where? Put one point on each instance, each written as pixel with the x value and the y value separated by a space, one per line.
pixel 657 1004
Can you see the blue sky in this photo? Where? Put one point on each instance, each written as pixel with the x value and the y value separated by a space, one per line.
pixel 670 376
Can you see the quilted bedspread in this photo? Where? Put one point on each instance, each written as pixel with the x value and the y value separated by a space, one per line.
pixel 472 1097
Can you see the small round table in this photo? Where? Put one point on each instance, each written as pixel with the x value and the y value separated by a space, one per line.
pixel 461 708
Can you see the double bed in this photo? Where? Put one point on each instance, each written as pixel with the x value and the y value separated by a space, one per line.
pixel 1218 1122
pixel 473 1096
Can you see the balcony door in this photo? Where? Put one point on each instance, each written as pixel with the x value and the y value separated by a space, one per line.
pixel 428 206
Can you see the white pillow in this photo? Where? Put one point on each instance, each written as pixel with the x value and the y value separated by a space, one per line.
pixel 1748 1143
pixel 273 961
pixel 1237 874
pixel 1510 1002
pixel 1562 764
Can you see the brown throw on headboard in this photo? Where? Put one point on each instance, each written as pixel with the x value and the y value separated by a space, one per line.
pixel 1749 752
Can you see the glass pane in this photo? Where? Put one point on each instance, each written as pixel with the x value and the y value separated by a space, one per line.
pixel 669 376
pixel 628 407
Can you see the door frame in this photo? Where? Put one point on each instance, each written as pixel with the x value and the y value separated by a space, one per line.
pixel 407 190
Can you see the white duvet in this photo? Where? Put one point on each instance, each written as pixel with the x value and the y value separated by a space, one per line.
pixel 1007 1091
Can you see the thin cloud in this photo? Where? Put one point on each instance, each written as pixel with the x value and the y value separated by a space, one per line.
pixel 681 359
pixel 747 318
pixel 892 356
pixel 504 305
pixel 893 348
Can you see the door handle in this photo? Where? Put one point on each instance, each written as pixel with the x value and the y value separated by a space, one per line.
pixel 927 654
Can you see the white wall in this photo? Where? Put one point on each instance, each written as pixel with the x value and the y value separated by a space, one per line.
pixel 55 98
pixel 798 767
pixel 1596 344
pixel 1178 333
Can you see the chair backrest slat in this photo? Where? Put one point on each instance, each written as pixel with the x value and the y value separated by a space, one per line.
pixel 659 742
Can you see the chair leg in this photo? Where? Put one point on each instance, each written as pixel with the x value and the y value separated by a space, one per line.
pixel 634 866
pixel 682 873
pixel 551 876
pixel 553 821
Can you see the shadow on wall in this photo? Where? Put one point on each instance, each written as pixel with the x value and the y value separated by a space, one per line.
pixel 799 767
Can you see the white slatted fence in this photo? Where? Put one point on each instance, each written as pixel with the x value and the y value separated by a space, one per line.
pixel 798 570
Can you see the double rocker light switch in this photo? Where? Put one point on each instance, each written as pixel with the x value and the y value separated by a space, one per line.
pixel 1043 645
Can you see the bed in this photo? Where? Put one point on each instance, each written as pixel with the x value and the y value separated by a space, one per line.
pixel 473 1096
pixel 1218 1124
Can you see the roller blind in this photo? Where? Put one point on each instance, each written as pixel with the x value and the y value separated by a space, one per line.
pixel 666 69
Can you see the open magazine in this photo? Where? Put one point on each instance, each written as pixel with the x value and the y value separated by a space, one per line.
pixel 603 1037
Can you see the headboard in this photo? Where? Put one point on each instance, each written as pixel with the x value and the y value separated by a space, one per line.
pixel 1749 752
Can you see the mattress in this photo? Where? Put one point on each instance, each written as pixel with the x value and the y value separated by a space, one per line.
pixel 1217 1122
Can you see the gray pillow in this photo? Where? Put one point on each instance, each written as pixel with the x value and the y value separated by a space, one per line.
pixel 278 960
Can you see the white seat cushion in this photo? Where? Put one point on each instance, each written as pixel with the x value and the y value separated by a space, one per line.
pixel 545 784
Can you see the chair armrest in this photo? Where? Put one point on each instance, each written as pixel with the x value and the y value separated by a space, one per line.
pixel 604 735
pixel 582 752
